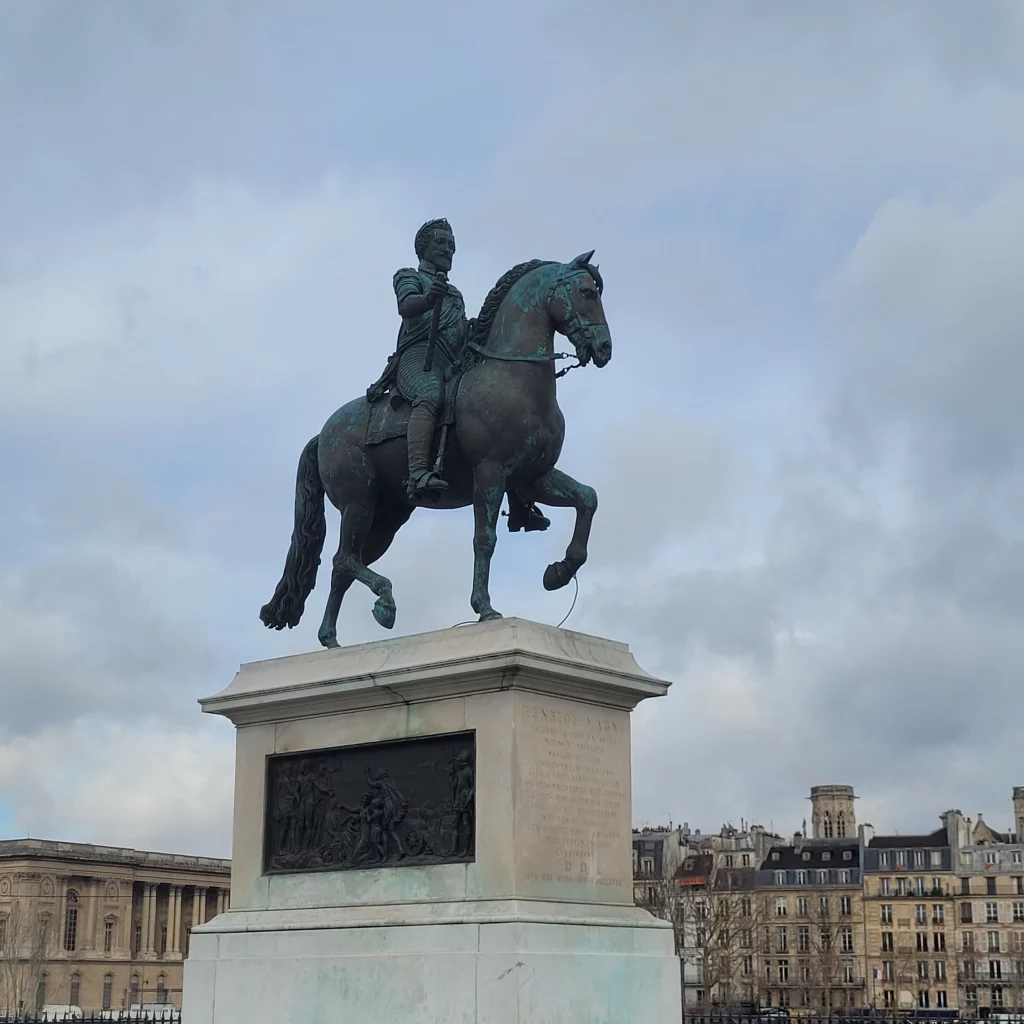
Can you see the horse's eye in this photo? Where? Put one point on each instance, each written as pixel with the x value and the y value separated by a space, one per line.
pixel 589 293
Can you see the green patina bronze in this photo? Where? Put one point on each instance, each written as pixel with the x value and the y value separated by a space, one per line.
pixel 464 413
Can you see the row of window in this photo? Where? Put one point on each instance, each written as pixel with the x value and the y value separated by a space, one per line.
pixel 917 886
pixel 803 906
pixel 923 999
pixel 825 998
pixel 75 990
pixel 826 855
pixel 71 930
pixel 938 970
pixel 969 970
pixel 844 876
pixel 910 887
pixel 825 939
pixel 1016 942
pixel 992 912
pixel 991 885
pixel 780 971
pixel 899 859
pixel 836 831
pixel 990 858
pixel 938 942
pixel 995 997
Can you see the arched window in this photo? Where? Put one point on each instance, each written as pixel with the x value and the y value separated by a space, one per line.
pixel 41 991
pixel 161 990
pixel 841 825
pixel 827 828
pixel 71 921
pixel 108 934
pixel 108 991
pixel 133 990
pixel 76 989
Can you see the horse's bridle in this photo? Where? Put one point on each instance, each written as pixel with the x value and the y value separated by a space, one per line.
pixel 573 324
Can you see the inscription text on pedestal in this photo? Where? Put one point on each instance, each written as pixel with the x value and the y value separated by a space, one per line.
pixel 401 803
pixel 574 809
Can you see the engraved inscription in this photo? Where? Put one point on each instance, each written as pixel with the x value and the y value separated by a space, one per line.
pixel 574 792
pixel 402 803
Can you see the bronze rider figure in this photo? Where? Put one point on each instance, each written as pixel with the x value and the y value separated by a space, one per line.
pixel 421 380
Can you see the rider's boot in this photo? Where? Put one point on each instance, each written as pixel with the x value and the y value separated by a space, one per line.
pixel 422 479
pixel 524 515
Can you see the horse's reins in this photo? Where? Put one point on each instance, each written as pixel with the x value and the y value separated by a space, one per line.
pixel 537 357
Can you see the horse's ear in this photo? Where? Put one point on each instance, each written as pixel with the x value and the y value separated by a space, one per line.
pixel 582 260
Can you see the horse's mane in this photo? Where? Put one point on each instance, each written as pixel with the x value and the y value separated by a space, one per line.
pixel 489 310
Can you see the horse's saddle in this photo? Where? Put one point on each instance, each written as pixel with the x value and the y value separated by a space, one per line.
pixel 389 416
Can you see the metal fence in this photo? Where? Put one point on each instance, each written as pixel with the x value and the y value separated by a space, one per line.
pixel 847 1016
pixel 171 1015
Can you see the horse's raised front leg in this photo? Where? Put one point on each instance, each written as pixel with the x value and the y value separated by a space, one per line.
pixel 488 491
pixel 559 489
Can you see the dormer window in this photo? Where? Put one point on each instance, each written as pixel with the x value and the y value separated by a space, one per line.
pixel 847 855
pixel 826 855
pixel 775 854
pixel 807 854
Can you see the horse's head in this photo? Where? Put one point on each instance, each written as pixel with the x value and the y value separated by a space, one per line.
pixel 577 312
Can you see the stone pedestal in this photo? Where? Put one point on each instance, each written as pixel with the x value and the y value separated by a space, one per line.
pixel 504 893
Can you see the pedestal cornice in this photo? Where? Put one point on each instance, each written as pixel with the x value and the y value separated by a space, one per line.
pixel 500 655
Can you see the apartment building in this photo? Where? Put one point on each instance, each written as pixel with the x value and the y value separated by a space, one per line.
pixel 811 940
pixel 989 867
pixel 909 919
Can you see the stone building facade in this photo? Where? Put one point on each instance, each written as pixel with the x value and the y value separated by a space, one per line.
pixel 99 927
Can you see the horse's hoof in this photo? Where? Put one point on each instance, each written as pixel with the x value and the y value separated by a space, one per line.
pixel 329 642
pixel 384 612
pixel 556 576
pixel 487 616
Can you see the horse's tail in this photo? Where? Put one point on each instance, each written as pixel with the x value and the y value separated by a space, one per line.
pixel 286 606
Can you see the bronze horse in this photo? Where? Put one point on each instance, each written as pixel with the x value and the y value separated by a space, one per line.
pixel 508 433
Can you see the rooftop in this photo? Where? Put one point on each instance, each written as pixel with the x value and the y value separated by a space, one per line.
pixel 936 838
pixel 811 853
pixel 87 853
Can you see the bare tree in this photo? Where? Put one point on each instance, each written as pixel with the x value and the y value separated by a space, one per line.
pixel 716 919
pixel 824 954
pixel 27 946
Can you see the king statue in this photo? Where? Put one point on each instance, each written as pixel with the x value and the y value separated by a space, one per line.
pixel 465 414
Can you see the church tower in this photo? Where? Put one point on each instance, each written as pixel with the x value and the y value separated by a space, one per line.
pixel 832 814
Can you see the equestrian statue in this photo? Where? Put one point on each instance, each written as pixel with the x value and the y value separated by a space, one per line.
pixel 464 413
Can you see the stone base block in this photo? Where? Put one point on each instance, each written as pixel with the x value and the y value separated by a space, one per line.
pixel 489 962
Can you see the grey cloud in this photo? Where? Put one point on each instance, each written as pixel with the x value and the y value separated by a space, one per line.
pixel 931 306
pixel 896 549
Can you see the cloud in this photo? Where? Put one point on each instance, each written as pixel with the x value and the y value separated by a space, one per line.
pixel 807 446
pixel 123 782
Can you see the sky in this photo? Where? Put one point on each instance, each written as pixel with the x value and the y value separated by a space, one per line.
pixel 808 446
